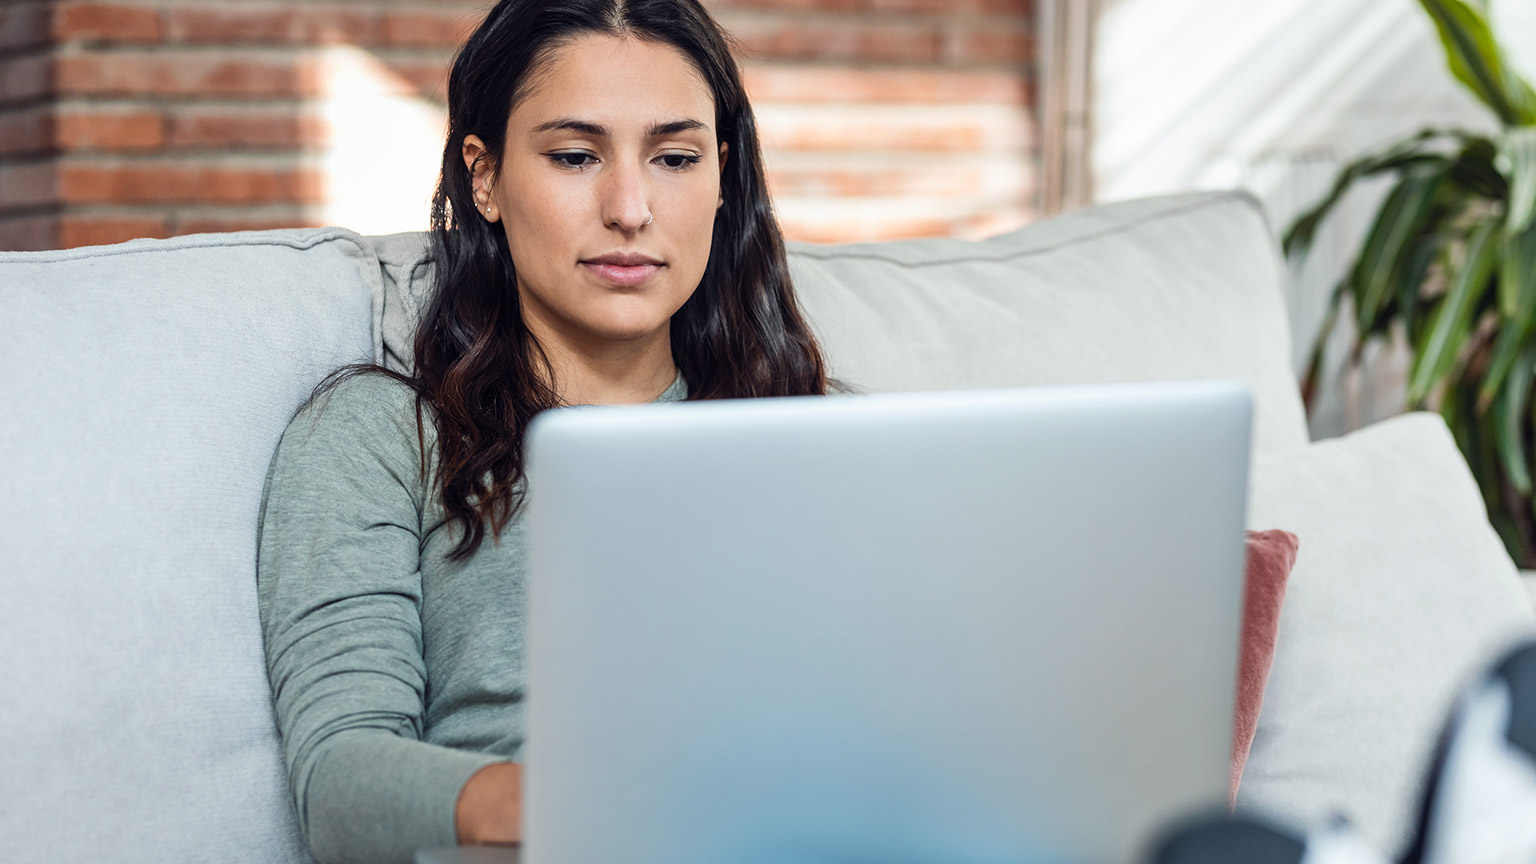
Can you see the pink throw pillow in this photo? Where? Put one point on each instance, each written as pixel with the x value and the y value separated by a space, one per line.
pixel 1271 555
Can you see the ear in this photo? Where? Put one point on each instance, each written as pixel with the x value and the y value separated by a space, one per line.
pixel 725 152
pixel 481 177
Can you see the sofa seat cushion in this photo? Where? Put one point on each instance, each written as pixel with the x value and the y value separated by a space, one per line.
pixel 1400 591
pixel 146 387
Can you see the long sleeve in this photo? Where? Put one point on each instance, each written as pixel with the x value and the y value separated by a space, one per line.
pixel 340 590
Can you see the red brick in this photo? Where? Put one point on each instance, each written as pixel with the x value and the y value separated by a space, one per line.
pixel 104 230
pixel 773 82
pixel 1011 8
pixel 861 133
pixel 28 184
pixel 1019 8
pixel 1023 8
pixel 868 231
pixel 861 42
pixel 438 29
pixel 166 73
pixel 717 6
pixel 29 234
pixel 997 222
pixel 256 130
pixel 976 45
pixel 111 131
pixel 290 24
pixel 175 182
pixel 105 22
pixel 426 78
pixel 23 78
pixel 24 25
pixel 216 224
pixel 29 131
pixel 938 181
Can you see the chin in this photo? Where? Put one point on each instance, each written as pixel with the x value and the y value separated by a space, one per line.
pixel 627 328
pixel 628 322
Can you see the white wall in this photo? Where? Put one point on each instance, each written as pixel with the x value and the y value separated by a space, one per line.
pixel 1275 96
pixel 384 143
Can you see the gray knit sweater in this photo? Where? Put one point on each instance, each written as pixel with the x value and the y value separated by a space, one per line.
pixel 397 673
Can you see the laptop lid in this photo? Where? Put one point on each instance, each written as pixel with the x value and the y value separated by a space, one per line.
pixel 978 626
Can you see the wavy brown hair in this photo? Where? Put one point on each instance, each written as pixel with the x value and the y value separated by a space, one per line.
pixel 480 373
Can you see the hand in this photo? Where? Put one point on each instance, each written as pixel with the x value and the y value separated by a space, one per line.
pixel 490 807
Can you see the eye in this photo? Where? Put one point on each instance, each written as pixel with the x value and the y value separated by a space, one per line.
pixel 679 161
pixel 572 159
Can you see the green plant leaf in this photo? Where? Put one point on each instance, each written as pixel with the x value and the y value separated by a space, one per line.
pixel 1505 505
pixel 1400 219
pixel 1517 267
pixel 1517 280
pixel 1483 457
pixel 1477 61
pixel 1410 276
pixel 1403 155
pixel 1455 418
pixel 1449 328
pixel 1508 533
pixel 1309 379
pixel 1509 420
pixel 1512 286
pixel 1472 170
pixel 1517 162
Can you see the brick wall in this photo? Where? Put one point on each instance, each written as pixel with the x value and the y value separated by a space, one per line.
pixel 151 118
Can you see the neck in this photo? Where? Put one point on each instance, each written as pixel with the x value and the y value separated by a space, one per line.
pixel 608 373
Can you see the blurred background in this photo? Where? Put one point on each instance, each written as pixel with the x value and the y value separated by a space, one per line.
pixel 881 119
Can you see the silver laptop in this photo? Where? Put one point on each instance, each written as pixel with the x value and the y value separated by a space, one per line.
pixel 965 627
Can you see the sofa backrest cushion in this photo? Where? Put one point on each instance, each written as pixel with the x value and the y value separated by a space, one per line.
pixel 1180 287
pixel 1177 287
pixel 146 387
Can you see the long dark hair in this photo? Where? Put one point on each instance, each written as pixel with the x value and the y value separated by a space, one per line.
pixel 478 369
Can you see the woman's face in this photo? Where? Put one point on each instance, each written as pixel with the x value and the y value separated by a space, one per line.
pixel 607 189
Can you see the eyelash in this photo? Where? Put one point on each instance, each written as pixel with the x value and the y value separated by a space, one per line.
pixel 559 159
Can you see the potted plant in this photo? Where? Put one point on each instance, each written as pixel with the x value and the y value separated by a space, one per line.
pixel 1450 259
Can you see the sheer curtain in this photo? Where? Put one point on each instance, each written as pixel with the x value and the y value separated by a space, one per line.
pixel 1275 96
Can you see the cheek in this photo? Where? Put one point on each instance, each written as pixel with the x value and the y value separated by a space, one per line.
pixel 541 221
pixel 697 214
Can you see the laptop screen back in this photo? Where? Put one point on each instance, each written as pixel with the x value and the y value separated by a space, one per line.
pixel 965 627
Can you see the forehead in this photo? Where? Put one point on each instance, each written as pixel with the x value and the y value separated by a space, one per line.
pixel 618 82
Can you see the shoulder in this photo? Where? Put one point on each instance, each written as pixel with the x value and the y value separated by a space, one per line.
pixel 364 401
pixel 348 464
pixel 368 416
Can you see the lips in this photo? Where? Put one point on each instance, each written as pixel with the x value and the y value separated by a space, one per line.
pixel 623 269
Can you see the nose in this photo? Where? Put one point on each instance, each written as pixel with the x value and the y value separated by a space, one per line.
pixel 625 199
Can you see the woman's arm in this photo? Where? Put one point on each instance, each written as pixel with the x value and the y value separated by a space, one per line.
pixel 340 597
pixel 490 809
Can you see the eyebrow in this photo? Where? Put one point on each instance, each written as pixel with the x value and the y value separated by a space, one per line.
pixel 656 130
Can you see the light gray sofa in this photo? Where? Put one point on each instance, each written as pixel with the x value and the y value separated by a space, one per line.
pixel 145 387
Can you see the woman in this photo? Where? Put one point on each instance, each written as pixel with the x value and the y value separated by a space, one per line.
pixel 601 233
